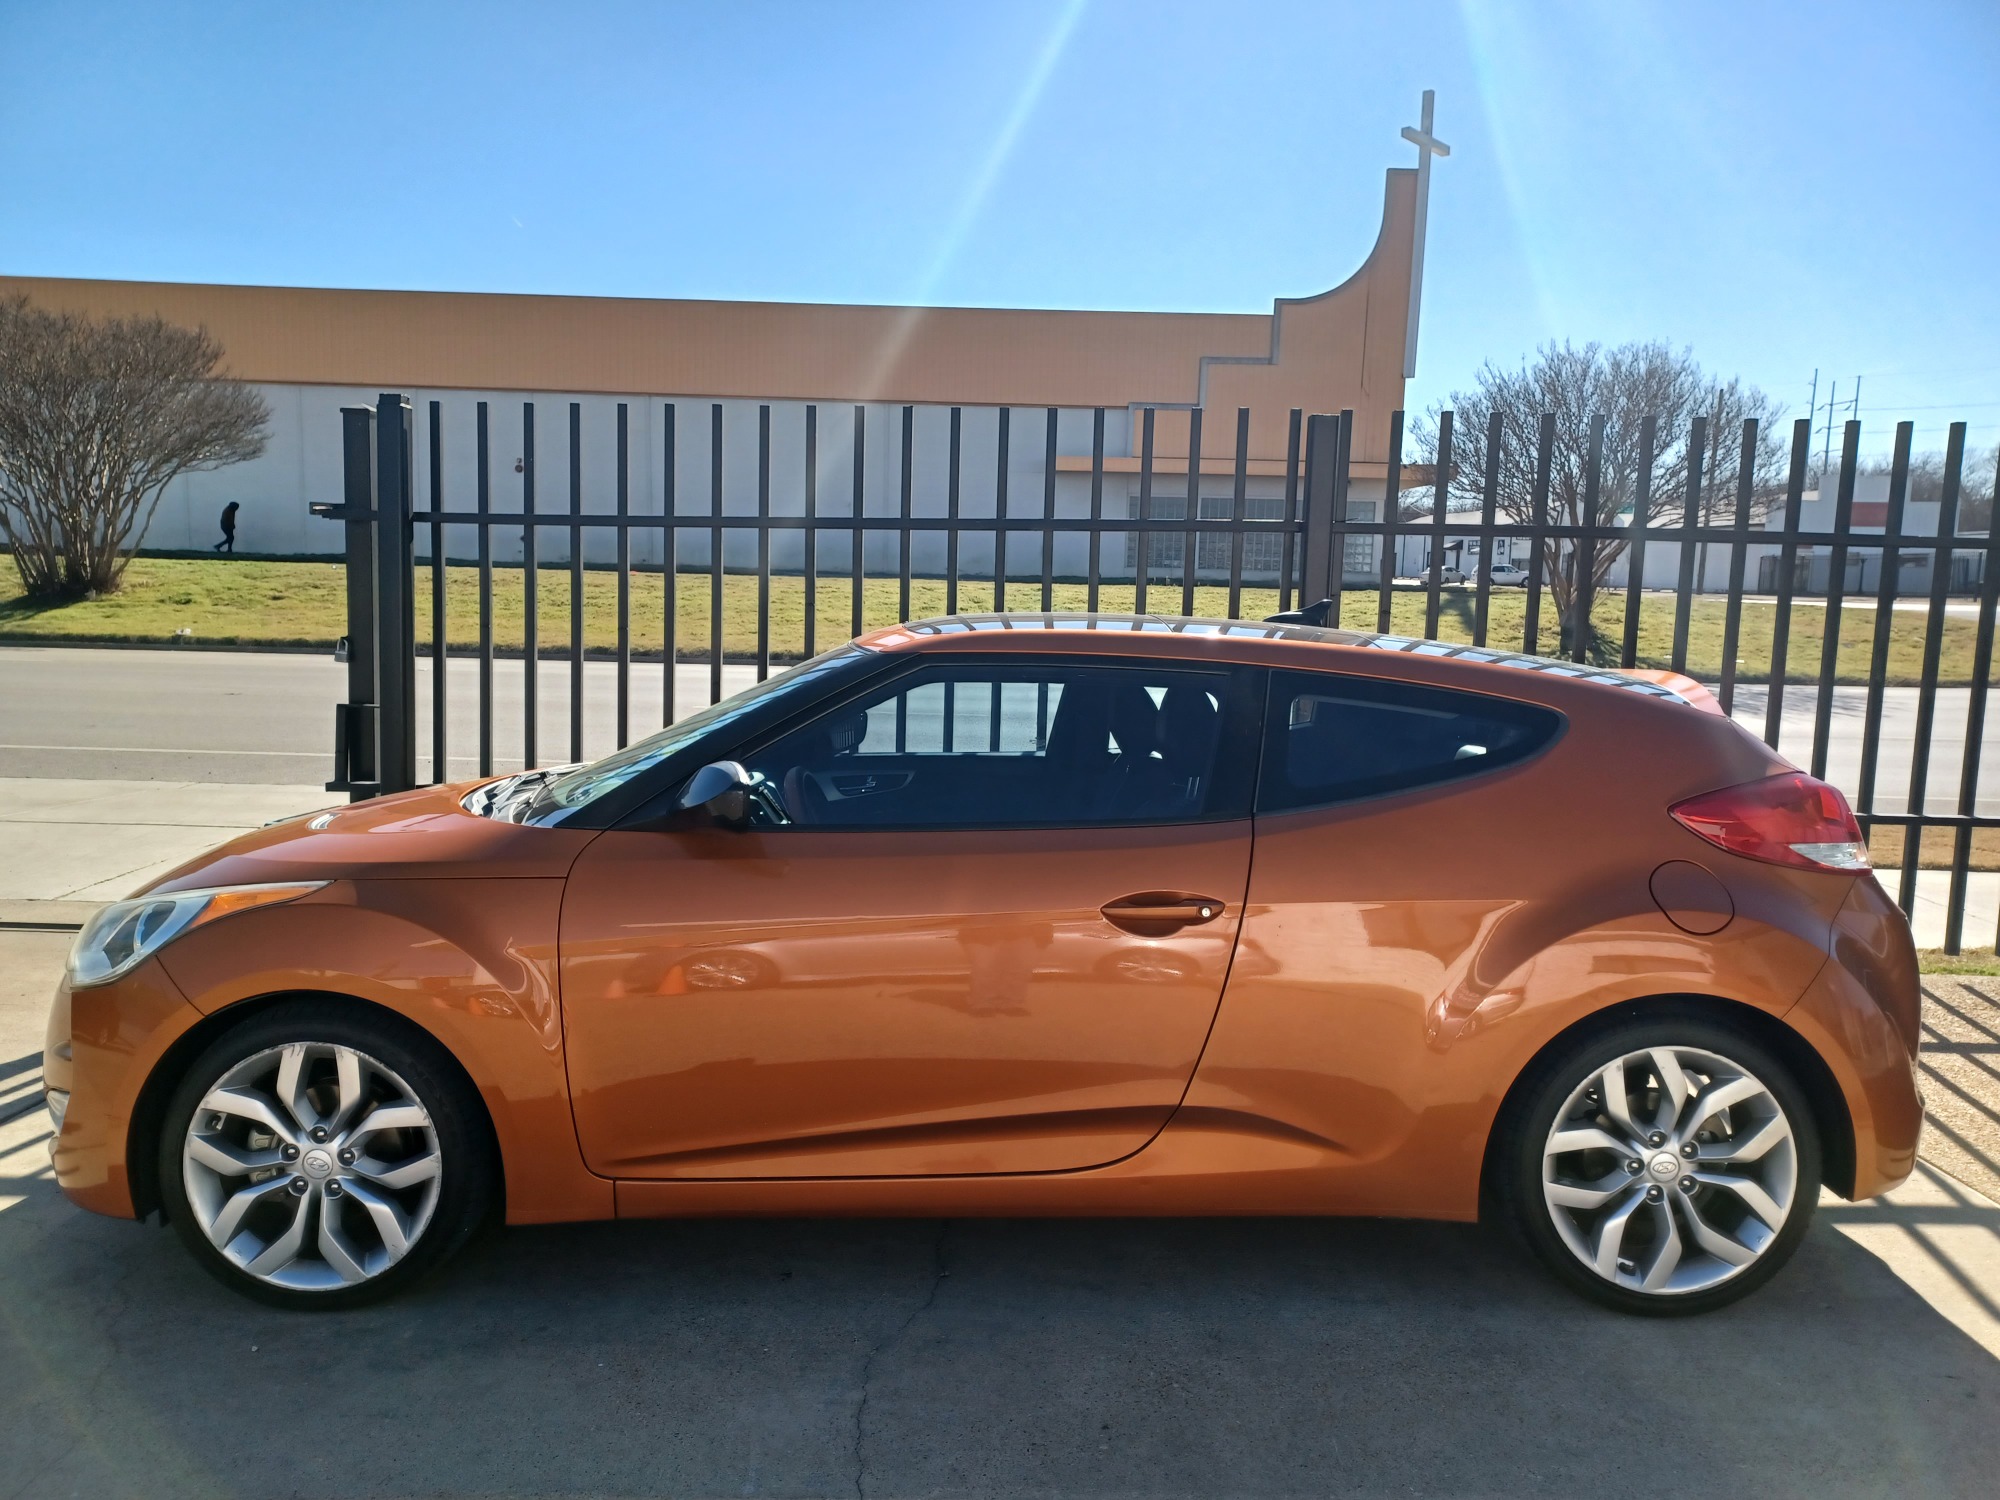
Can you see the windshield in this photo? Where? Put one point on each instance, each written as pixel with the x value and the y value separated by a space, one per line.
pixel 574 786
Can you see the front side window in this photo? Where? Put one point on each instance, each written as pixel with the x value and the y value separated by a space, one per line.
pixel 1335 739
pixel 584 784
pixel 978 746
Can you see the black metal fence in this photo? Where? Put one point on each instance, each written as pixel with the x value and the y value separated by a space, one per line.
pixel 1895 713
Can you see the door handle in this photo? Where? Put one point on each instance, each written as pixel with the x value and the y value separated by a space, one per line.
pixel 1156 913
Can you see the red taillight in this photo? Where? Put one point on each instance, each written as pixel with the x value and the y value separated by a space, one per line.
pixel 1783 820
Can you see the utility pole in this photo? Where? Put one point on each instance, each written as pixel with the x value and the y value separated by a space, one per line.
pixel 1812 415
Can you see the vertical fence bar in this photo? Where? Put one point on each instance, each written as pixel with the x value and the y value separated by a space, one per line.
pixel 1538 531
pixel 1440 499
pixel 1489 512
pixel 1836 592
pixel 810 561
pixel 1392 514
pixel 763 541
pixel 906 509
pixel 1049 516
pixel 576 580
pixel 1239 507
pixel 1886 580
pixel 356 722
pixel 530 579
pixel 858 561
pixel 1000 516
pixel 1289 548
pixel 1697 450
pixel 484 461
pixel 1583 551
pixel 1739 537
pixel 624 457
pixel 1144 549
pixel 1317 544
pixel 1788 565
pixel 440 765
pixel 717 555
pixel 395 601
pixel 1934 621
pixel 670 564
pixel 1094 581
pixel 1190 543
pixel 1642 512
pixel 1975 729
pixel 954 456
pixel 1342 456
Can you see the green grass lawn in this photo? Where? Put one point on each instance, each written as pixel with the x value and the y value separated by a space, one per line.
pixel 1974 961
pixel 252 602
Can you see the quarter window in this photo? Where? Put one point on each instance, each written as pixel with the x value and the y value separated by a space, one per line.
pixel 1334 739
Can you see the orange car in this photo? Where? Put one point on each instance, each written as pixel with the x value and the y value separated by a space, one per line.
pixel 1031 915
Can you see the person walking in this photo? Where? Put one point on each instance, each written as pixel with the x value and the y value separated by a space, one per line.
pixel 228 542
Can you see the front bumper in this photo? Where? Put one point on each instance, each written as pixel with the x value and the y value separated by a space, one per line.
pixel 103 1044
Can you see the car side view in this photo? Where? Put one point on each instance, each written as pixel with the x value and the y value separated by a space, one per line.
pixel 1011 915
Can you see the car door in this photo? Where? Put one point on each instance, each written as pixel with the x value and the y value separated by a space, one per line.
pixel 1374 895
pixel 981 925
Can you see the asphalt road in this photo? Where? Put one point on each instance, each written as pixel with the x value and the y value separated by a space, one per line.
pixel 268 717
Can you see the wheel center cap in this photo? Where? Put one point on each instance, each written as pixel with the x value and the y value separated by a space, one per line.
pixel 1665 1166
pixel 317 1163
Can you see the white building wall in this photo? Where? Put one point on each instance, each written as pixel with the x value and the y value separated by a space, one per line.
pixel 302 464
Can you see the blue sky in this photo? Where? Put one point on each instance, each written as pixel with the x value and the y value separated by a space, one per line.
pixel 1779 186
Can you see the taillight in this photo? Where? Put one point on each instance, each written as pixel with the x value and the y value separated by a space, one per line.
pixel 1791 819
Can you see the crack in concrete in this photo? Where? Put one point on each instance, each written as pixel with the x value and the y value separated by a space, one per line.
pixel 939 1270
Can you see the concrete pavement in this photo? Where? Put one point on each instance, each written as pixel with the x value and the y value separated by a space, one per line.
pixel 79 843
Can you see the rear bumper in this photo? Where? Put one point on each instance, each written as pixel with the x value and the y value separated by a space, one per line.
pixel 1861 1013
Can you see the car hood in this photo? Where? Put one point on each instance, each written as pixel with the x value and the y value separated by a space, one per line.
pixel 424 834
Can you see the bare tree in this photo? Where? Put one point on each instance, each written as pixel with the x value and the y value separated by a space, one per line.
pixel 97 417
pixel 1694 417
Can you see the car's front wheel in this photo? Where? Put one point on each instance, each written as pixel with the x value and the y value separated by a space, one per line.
pixel 1667 1166
pixel 318 1156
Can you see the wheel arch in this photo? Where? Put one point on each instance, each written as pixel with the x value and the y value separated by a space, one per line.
pixel 142 1139
pixel 1823 1093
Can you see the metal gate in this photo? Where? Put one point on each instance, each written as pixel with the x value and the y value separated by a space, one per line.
pixel 908 517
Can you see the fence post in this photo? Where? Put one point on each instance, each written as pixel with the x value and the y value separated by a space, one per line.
pixel 354 720
pixel 395 599
pixel 1322 463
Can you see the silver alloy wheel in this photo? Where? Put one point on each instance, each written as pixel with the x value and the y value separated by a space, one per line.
pixel 312 1166
pixel 1670 1170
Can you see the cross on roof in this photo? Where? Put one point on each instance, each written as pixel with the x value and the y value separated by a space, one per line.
pixel 1428 145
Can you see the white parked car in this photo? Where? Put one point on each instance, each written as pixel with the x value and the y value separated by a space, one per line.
pixel 1508 575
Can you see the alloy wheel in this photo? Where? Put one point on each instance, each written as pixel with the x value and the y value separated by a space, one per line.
pixel 312 1166
pixel 1670 1170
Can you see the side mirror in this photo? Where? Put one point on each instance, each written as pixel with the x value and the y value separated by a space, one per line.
pixel 722 790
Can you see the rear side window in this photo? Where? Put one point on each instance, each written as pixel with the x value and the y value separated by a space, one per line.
pixel 1334 739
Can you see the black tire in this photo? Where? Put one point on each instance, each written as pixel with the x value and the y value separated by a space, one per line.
pixel 466 1194
pixel 1554 1080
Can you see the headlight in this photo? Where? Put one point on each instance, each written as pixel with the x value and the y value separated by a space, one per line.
pixel 124 934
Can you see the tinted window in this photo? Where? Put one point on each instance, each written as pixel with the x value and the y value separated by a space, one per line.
pixel 1332 739
pixel 979 746
pixel 587 783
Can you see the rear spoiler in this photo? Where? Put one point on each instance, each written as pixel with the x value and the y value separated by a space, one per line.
pixel 1679 684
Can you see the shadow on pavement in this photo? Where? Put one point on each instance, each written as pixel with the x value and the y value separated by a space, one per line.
pixel 1076 1357
pixel 1961 1079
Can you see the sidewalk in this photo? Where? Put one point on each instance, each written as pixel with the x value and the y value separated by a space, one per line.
pixel 72 845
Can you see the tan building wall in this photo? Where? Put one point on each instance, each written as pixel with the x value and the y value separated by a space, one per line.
pixel 1342 348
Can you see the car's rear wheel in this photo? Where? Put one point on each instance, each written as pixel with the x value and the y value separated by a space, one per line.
pixel 321 1157
pixel 1665 1166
